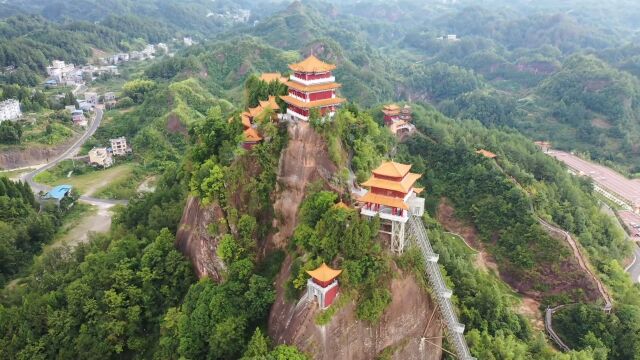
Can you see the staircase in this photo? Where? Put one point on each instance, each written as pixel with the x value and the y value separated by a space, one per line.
pixel 454 330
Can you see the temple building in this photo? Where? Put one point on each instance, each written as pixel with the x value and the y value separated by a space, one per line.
pixel 311 86
pixel 249 117
pixel 251 138
pixel 398 119
pixel 323 285
pixel 275 76
pixel 392 196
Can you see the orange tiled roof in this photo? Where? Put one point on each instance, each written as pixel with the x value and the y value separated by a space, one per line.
pixel 418 190
pixel 391 107
pixel 311 104
pixel 392 169
pixel 270 103
pixel 312 64
pixel 269 77
pixel 244 117
pixel 487 154
pixel 401 186
pixel 311 88
pixel 251 135
pixel 324 273
pixel 384 200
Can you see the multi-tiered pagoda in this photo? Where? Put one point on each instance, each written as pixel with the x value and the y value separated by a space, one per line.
pixel 398 119
pixel 393 197
pixel 311 86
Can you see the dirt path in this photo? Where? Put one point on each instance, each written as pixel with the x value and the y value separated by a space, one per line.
pixel 98 221
pixel 468 233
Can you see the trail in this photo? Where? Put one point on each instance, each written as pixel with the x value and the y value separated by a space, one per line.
pixel 583 262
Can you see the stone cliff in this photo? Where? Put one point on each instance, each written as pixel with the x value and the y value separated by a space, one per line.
pixel 411 316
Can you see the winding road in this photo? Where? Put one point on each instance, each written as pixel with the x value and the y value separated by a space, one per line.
pixel 70 152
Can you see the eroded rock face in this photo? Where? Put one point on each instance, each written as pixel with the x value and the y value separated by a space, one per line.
pixel 410 316
pixel 193 238
pixel 305 160
pixel 31 155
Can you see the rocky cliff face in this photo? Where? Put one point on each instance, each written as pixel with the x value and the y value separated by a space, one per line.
pixel 410 317
pixel 305 160
pixel 193 238
pixel 32 155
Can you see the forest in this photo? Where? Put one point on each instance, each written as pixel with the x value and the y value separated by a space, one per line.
pixel 565 72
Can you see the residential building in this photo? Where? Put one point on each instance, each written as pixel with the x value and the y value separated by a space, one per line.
pixel 311 87
pixel 545 146
pixel 58 193
pixel 164 47
pixel 59 70
pixel 100 157
pixel 86 106
pixel 10 110
pixel 78 118
pixel 188 41
pixel 109 96
pixel 70 108
pixel 119 146
pixel 91 98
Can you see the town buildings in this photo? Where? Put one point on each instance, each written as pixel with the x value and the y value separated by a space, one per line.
pixel 311 87
pixel 119 146
pixel 392 196
pixel 323 285
pixel 101 157
pixel 59 71
pixel 10 110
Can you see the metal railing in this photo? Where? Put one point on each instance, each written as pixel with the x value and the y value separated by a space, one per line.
pixel 453 328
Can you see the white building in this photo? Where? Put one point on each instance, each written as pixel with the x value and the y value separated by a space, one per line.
pixel 91 98
pixel 10 110
pixel 164 47
pixel 100 157
pixel 59 70
pixel 119 146
pixel 188 41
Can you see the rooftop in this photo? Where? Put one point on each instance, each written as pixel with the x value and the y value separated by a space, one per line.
pixel 269 77
pixel 486 153
pixel 392 169
pixel 311 104
pixel 58 192
pixel 324 273
pixel 384 200
pixel 312 88
pixel 312 64
pixel 403 185
pixel 251 135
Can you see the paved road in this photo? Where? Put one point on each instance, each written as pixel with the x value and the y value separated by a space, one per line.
pixel 603 176
pixel 70 152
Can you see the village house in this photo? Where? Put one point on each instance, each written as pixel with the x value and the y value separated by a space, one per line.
pixel 119 146
pixel 91 98
pixel 58 193
pixel 10 110
pixel 78 118
pixel 100 157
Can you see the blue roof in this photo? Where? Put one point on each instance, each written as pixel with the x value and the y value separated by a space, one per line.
pixel 58 192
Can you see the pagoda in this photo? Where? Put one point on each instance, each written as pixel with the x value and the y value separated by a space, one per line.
pixel 311 86
pixel 323 285
pixel 391 195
